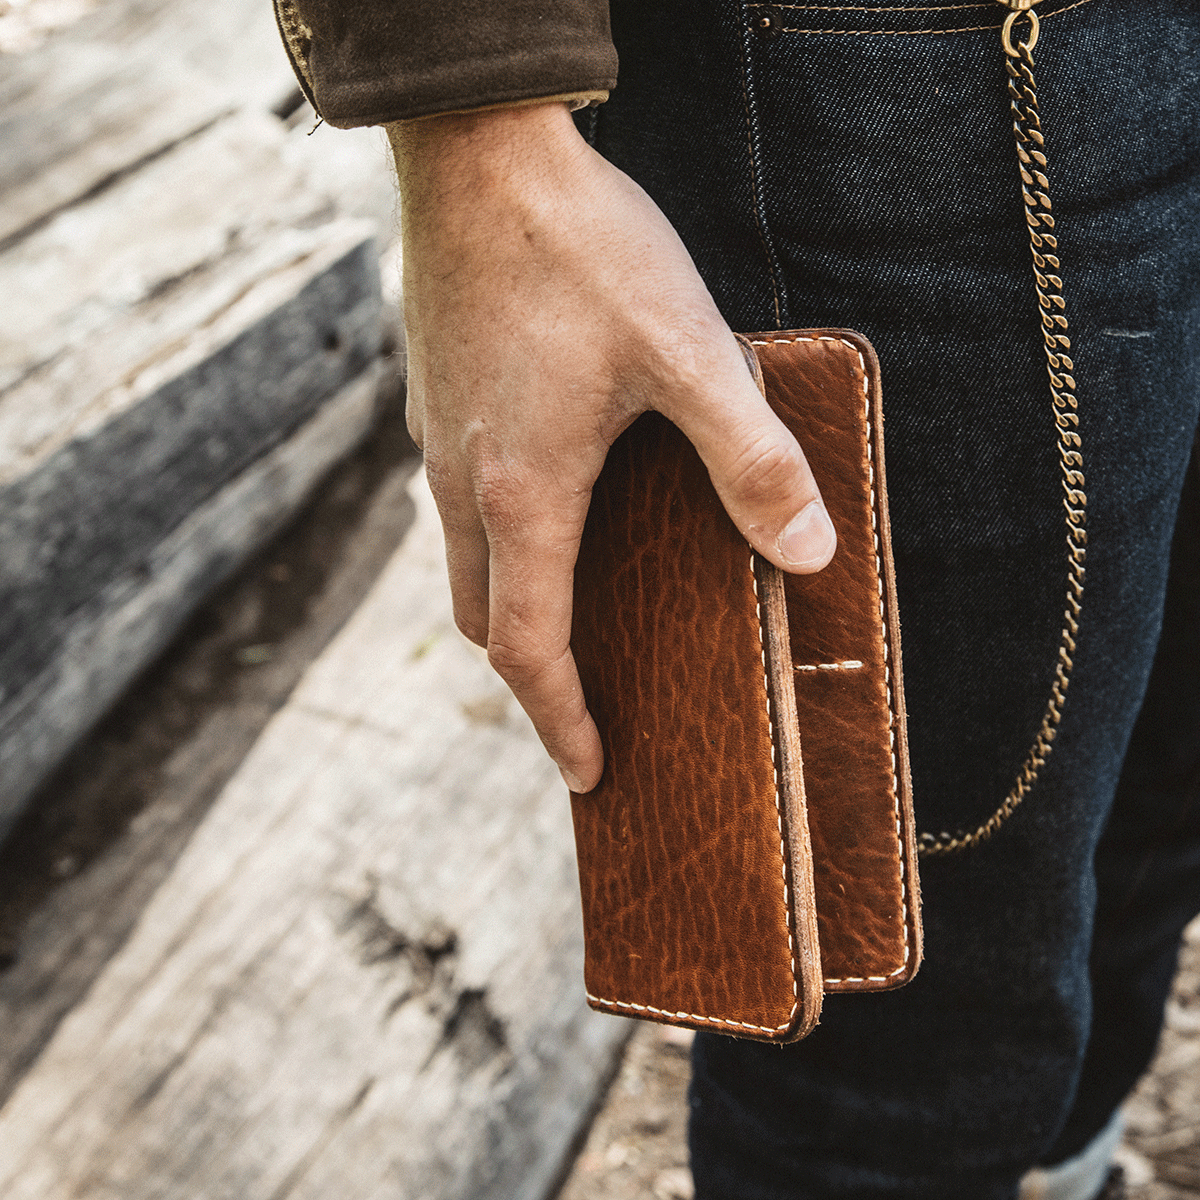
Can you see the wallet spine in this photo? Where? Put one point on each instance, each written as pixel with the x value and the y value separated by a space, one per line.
pixel 795 841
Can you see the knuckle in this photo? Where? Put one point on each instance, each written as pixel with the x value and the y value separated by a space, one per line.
pixel 481 486
pixel 766 470
pixel 687 353
pixel 525 665
pixel 501 495
pixel 516 665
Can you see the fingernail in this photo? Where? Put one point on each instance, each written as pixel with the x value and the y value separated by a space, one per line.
pixel 809 540
pixel 572 781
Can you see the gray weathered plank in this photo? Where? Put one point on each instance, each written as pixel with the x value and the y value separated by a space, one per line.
pixel 362 978
pixel 173 747
pixel 91 652
pixel 133 287
pixel 172 331
pixel 128 80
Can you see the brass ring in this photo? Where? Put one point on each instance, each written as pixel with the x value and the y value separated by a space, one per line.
pixel 1006 32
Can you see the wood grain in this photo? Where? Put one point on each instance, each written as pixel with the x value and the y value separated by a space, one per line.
pixel 362 978
pixel 196 283
pixel 130 79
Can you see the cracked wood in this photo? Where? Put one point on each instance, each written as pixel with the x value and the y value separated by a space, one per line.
pixel 363 976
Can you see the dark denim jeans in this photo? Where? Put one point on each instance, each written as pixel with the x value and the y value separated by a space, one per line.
pixel 858 169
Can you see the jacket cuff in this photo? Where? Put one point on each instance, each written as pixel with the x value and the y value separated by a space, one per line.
pixel 368 62
pixel 573 100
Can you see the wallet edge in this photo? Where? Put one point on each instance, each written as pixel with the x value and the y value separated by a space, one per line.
pixel 908 828
pixel 793 808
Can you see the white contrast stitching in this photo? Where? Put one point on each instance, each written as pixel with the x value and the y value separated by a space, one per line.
pixel 787 903
pixel 686 1016
pixel 887 674
pixel 908 32
pixel 851 664
pixel 874 8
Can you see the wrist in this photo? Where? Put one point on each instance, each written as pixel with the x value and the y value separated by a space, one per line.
pixel 456 148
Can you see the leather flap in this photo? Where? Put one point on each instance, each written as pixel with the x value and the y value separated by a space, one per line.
pixel 844 633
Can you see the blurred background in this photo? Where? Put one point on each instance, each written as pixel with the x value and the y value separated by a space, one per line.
pixel 288 904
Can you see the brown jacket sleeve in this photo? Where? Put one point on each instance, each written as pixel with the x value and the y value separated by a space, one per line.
pixel 366 62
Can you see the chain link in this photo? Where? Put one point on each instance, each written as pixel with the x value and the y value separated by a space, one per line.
pixel 1043 243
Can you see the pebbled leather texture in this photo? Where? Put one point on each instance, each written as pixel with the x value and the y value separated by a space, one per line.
pixel 702 890
pixel 683 848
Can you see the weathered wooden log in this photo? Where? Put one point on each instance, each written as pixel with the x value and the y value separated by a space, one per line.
pixel 362 978
pixel 148 397
pixel 86 656
pixel 168 751
pixel 191 295
pixel 130 80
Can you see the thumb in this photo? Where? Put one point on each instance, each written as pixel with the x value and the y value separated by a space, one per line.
pixel 756 465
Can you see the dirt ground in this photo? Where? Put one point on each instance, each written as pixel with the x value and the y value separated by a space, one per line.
pixel 1162 1151
pixel 636 1149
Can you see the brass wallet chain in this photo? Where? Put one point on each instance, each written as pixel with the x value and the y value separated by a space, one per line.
pixel 1023 25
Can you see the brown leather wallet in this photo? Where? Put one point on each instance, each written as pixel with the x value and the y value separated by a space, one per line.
pixel 751 843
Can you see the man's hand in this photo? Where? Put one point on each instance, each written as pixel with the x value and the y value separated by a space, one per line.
pixel 548 303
